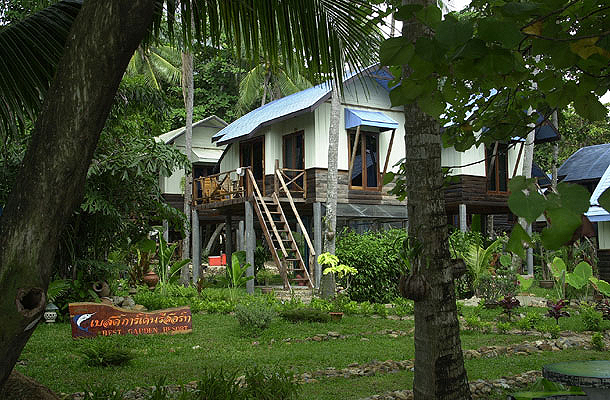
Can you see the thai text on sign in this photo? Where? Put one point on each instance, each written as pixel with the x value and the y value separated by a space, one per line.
pixel 93 319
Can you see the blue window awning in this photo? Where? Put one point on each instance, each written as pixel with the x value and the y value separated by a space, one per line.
pixel 376 119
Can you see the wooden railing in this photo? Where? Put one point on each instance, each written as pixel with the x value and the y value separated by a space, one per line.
pixel 224 186
pixel 291 177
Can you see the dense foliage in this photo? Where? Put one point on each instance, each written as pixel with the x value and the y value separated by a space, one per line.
pixel 576 132
pixel 375 256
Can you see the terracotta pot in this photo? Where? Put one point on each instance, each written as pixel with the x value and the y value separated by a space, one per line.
pixel 101 288
pixel 336 316
pixel 266 290
pixel 151 279
pixel 546 284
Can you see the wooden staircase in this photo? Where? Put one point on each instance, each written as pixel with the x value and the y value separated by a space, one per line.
pixel 278 234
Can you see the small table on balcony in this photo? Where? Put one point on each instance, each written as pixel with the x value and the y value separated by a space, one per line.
pixel 593 377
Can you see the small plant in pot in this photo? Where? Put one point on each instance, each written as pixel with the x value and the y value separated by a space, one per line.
pixel 342 272
pixel 264 276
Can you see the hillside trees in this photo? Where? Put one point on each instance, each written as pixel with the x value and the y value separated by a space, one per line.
pixel 101 41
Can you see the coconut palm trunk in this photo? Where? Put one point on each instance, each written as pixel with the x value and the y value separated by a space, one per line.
pixel 103 38
pixel 188 94
pixel 439 364
pixel 327 283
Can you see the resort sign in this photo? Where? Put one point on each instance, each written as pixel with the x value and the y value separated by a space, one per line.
pixel 93 319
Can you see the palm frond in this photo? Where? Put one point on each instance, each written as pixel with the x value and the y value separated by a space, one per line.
pixel 250 87
pixel 323 35
pixel 29 52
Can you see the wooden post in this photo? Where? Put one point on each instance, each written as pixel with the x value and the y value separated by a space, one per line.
pixel 165 230
pixel 196 243
pixel 241 244
pixel 250 240
pixel 317 241
pixel 351 159
pixel 228 239
pixel 387 158
pixel 463 224
pixel 275 184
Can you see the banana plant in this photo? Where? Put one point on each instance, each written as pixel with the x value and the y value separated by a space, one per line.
pixel 235 274
pixel 579 278
pixel 168 272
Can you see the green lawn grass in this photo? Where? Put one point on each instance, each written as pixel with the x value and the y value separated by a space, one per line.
pixel 53 358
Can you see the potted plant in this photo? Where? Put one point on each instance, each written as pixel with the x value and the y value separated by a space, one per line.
pixel 264 276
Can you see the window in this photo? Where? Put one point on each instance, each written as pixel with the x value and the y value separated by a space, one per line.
pixel 365 169
pixel 294 155
pixel 496 166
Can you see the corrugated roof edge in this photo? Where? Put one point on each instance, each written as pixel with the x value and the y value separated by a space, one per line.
pixel 348 78
pixel 173 135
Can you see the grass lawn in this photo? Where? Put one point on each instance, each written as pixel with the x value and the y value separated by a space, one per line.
pixel 53 357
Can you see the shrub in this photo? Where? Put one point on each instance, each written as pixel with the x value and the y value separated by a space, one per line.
pixel 493 287
pixel 597 341
pixel 503 327
pixel 375 256
pixel 105 351
pixel 103 391
pixel 277 385
pixel 254 316
pixel 591 318
pixel 530 321
pixel 305 315
pixel 403 306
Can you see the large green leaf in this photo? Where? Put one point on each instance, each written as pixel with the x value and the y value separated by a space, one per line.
pixel 396 51
pixel 604 200
pixel 518 238
pixel 30 50
pixel 558 268
pixel 602 286
pixel 529 206
pixel 563 224
pixel 574 197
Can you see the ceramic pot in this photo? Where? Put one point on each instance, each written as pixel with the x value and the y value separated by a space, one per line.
pixel 266 290
pixel 546 284
pixel 150 279
pixel 101 288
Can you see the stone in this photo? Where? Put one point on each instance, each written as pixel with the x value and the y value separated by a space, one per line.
pixel 196 347
pixel 128 302
pixel 334 334
pixel 364 339
pixel 139 307
pixel 316 338
pixel 393 335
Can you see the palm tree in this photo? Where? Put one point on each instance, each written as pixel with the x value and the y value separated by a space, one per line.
pixel 439 364
pixel 158 64
pixel 324 34
pixel 267 81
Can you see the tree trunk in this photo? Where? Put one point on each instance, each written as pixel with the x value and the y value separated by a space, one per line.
pixel 555 154
pixel 50 184
pixel 439 363
pixel 187 92
pixel 528 158
pixel 327 284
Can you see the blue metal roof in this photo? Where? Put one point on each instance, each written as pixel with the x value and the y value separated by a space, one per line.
pixel 375 119
pixel 287 107
pixel 588 163
pixel 597 213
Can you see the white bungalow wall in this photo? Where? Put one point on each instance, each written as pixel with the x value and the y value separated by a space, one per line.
pixel 603 234
pixel 202 144
pixel 315 125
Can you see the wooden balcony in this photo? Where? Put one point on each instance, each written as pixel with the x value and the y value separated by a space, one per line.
pixel 231 187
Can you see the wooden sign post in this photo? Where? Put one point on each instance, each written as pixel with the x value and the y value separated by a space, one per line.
pixel 93 319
